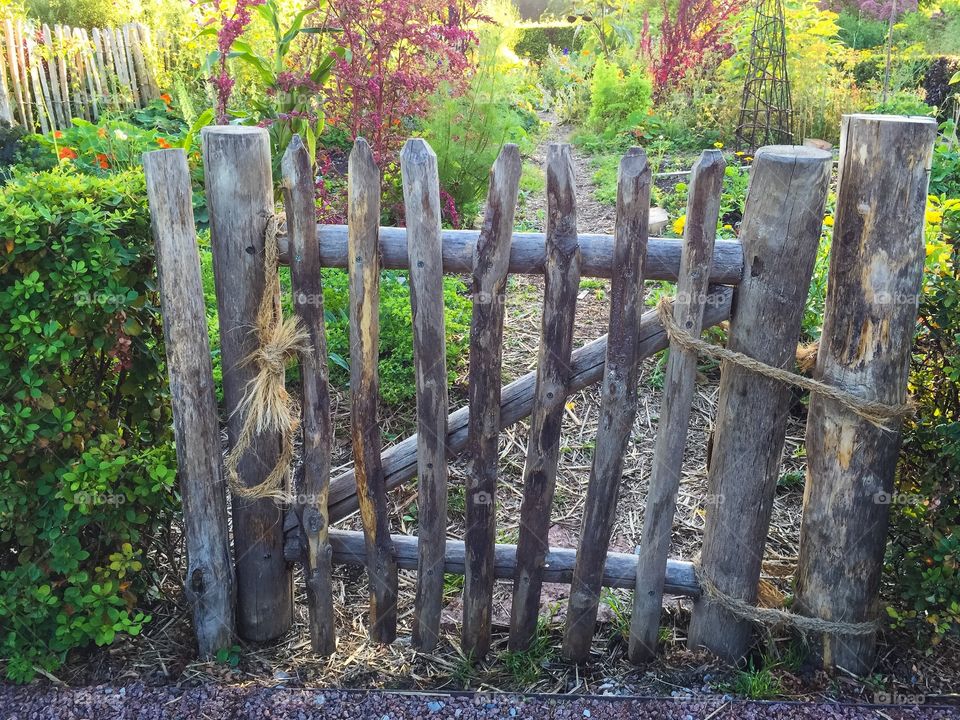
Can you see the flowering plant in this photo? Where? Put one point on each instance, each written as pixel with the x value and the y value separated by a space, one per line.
pixel 291 100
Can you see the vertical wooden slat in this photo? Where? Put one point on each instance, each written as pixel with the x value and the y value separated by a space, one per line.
pixel 491 259
pixel 311 507
pixel 108 79
pixel 618 401
pixel 44 101
pixel 6 108
pixel 90 74
pixel 132 69
pixel 145 45
pixel 363 182
pixel 64 78
pixel 53 78
pixel 44 117
pixel 421 195
pixel 239 189
pixel 20 35
pixel 782 220
pixel 118 57
pixel 876 267
pixel 703 209
pixel 135 41
pixel 209 578
pixel 16 83
pixel 561 283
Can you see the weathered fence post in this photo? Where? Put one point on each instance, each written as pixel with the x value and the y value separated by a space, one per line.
pixel 699 235
pixel 209 578
pixel 240 201
pixel 780 232
pixel 491 258
pixel 618 401
pixel 421 196
pixel 363 207
pixel 311 500
pixel 561 283
pixel 876 267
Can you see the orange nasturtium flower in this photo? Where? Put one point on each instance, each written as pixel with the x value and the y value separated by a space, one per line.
pixel 102 161
pixel 166 98
pixel 67 153
pixel 163 143
pixel 57 134
pixel 102 132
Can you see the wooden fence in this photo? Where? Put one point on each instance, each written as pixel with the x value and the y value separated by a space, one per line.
pixel 49 76
pixel 758 283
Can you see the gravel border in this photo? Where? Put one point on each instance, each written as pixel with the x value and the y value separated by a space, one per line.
pixel 38 702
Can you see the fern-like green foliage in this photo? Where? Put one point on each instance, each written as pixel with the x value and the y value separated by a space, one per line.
pixel 618 101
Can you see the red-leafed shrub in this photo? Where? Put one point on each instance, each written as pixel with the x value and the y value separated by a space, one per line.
pixel 399 53
pixel 695 31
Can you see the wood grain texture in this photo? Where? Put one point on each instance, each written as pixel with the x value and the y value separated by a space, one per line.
pixel 240 200
pixel 6 109
pixel 16 77
pixel 209 586
pixel 561 284
pixel 516 402
pixel 421 195
pixel 618 401
pixel 311 505
pixel 699 234
pixel 528 254
pixel 490 262
pixel 780 232
pixel 876 269
pixel 363 183
pixel 620 569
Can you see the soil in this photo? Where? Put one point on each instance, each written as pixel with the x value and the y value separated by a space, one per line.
pixel 160 666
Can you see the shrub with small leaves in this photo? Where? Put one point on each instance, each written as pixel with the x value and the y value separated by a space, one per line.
pixel 87 466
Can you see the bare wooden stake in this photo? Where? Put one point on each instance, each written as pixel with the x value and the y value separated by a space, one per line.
pixel 311 505
pixel 421 195
pixel 700 230
pixel 239 188
pixel 6 109
pixel 780 233
pixel 491 258
pixel 363 203
pixel 561 283
pixel 20 39
pixel 16 77
pixel 209 583
pixel 516 403
pixel 876 268
pixel 618 401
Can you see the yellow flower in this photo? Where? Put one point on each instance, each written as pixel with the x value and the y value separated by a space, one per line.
pixel 718 145
pixel 934 217
pixel 728 227
pixel 679 224
pixel 828 220
pixel 585 52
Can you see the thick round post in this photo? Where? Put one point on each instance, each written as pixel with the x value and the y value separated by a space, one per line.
pixel 618 401
pixel 699 235
pixel 240 200
pixel 876 267
pixel 491 258
pixel 209 578
pixel 311 505
pixel 780 233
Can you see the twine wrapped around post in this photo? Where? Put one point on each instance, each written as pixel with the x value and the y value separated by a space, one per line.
pixel 266 404
pixel 879 414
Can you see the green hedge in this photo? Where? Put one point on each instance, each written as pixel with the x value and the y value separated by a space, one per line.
pixel 534 41
pixel 86 459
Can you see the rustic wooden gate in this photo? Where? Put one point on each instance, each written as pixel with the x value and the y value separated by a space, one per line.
pixel 759 283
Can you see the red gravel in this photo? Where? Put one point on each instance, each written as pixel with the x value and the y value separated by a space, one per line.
pixel 212 701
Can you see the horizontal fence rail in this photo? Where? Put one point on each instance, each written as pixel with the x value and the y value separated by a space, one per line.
pixel 528 253
pixel 48 76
